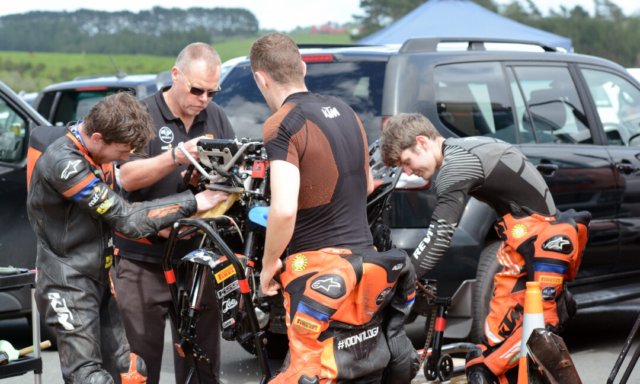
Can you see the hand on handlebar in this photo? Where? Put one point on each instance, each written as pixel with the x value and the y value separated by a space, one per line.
pixel 209 199
pixel 192 147
pixel 267 283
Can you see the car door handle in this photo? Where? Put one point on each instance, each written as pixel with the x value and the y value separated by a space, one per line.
pixel 547 169
pixel 626 168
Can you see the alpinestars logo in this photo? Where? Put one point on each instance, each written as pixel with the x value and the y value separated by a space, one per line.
pixel 560 244
pixel 330 112
pixel 359 338
pixel 64 314
pixel 71 169
pixel 325 284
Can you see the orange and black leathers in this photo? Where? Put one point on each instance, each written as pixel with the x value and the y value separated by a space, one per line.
pixel 535 248
pixel 498 174
pixel 338 322
pixel 73 210
pixel 324 138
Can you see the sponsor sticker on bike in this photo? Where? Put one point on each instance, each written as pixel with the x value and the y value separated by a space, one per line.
pixel 228 323
pixel 228 305
pixel 225 274
pixel 228 289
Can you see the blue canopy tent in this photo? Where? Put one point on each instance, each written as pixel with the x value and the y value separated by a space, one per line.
pixel 460 18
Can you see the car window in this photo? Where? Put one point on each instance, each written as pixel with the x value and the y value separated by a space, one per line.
pixel 525 130
pixel 75 105
pixel 472 100
pixel 556 111
pixel 12 134
pixel 618 104
pixel 357 84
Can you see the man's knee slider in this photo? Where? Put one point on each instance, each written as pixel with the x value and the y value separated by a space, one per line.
pixel 132 368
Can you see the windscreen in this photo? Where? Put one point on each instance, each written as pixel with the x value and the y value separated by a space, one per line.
pixel 357 84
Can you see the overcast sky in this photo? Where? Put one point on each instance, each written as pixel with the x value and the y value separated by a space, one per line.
pixel 283 15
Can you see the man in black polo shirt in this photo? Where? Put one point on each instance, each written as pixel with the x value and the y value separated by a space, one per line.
pixel 181 113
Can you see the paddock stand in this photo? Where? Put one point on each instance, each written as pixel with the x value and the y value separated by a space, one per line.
pixel 186 307
pixel 438 364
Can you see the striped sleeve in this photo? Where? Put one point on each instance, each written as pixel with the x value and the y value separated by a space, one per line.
pixel 461 172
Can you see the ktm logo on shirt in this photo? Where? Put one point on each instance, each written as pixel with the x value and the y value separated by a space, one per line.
pixel 162 212
pixel 330 112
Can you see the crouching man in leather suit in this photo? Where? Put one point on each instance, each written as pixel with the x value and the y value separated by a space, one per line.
pixel 539 243
pixel 73 210
pixel 335 283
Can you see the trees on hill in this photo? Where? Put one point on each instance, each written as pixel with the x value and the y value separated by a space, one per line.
pixel 159 31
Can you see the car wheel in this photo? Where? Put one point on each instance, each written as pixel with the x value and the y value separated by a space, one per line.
pixel 488 266
pixel 277 345
pixel 46 333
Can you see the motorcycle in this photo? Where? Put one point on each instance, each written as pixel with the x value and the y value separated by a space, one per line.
pixel 232 249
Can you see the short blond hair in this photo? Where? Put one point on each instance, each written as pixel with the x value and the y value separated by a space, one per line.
pixel 277 55
pixel 400 133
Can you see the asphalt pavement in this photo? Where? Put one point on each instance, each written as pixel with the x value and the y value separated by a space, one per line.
pixel 594 338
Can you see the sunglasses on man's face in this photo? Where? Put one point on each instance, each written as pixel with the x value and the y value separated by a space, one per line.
pixel 197 91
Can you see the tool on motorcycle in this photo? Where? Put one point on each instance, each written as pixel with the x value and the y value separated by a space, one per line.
pixel 436 361
pixel 623 354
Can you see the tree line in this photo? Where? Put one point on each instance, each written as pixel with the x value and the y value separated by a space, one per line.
pixel 608 33
pixel 159 31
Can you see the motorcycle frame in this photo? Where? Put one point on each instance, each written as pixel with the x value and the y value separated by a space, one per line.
pixel 209 227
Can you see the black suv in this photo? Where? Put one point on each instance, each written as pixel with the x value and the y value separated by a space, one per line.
pixel 576 117
pixel 71 101
pixel 17 241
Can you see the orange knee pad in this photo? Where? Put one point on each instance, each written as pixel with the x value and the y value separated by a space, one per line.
pixel 137 373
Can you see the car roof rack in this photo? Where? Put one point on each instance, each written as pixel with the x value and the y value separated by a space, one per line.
pixel 331 45
pixel 430 44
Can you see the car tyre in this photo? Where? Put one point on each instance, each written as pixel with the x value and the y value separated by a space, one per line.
pixel 488 266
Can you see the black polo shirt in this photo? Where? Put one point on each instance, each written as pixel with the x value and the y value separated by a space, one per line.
pixel 170 131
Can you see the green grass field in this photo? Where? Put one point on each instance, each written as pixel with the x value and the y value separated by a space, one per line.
pixel 33 71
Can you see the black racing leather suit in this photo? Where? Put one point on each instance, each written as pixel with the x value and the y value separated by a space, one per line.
pixel 73 212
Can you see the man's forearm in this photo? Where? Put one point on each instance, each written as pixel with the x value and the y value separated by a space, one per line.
pixel 145 172
pixel 279 231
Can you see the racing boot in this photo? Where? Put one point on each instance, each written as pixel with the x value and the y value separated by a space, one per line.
pixel 477 372
pixel 132 369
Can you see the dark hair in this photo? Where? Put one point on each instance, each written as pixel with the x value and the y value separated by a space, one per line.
pixel 400 133
pixel 278 56
pixel 121 119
